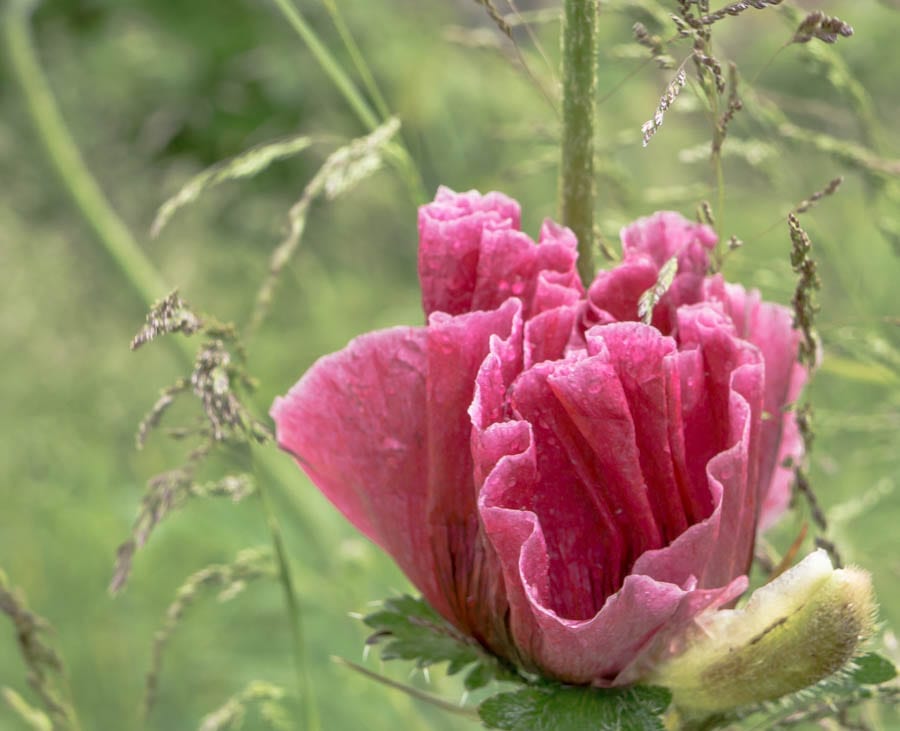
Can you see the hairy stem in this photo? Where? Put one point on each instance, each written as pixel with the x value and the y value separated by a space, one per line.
pixel 576 175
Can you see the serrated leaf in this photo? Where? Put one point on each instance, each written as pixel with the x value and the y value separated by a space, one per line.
pixel 411 630
pixel 478 677
pixel 568 708
pixel 873 669
pixel 408 629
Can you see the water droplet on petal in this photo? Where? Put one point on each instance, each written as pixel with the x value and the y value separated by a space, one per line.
pixel 392 445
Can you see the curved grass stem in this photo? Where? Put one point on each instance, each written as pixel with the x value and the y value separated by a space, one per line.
pixel 65 157
pixel 112 234
pixel 397 154
pixel 359 61
pixel 409 690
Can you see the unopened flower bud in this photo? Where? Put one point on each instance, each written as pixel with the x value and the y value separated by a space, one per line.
pixel 794 631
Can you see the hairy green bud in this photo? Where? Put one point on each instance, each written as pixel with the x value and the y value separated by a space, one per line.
pixel 799 628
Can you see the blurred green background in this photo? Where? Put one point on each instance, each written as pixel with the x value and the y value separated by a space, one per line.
pixel 153 91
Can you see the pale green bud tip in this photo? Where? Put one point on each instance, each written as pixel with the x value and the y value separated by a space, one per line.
pixel 794 631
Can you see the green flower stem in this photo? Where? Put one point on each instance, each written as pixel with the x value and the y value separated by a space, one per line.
pixel 576 175
pixel 396 153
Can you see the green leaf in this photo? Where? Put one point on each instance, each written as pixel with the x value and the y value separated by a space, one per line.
pixel 479 676
pixel 408 629
pixel 568 708
pixel 873 669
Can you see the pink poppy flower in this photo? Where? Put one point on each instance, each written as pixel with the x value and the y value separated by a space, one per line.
pixel 563 483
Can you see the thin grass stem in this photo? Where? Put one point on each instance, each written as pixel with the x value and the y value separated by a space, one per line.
pixel 359 61
pixel 116 239
pixel 536 42
pixel 765 67
pixel 409 690
pixel 328 63
pixel 397 154
pixel 292 608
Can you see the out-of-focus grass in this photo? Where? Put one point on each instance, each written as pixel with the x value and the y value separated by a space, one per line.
pixel 153 92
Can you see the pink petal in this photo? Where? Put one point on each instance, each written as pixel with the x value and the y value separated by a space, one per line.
pixel 558 281
pixel 382 429
pixel 647 244
pixel 722 431
pixel 547 335
pixel 456 350
pixel 643 615
pixel 506 265
pixel 450 233
pixel 614 293
pixel 511 265
pixel 356 424
pixel 665 234
pixel 770 328
pixel 472 256
pixel 572 504
pixel 587 545
pixel 639 355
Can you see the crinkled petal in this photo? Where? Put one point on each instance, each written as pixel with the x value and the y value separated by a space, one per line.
pixel 644 614
pixel 472 256
pixel 723 417
pixel 770 328
pixel 639 354
pixel 667 234
pixel 576 498
pixel 557 282
pixel 456 349
pixel 450 234
pixel 586 544
pixel 647 245
pixel 547 335
pixel 614 293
